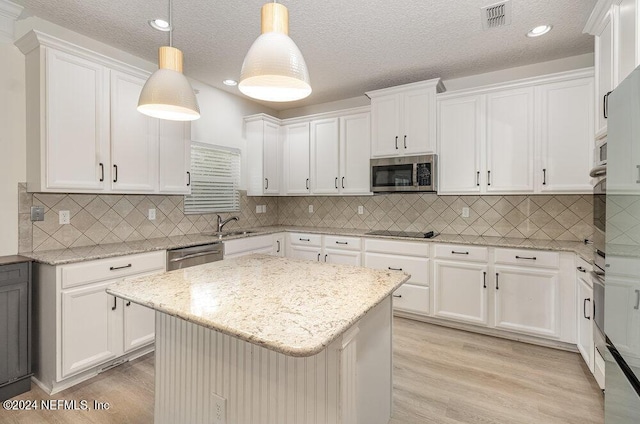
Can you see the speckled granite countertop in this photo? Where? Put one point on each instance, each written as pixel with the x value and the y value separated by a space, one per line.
pixel 291 306
pixel 79 254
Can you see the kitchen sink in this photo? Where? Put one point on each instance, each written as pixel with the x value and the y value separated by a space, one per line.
pixel 226 234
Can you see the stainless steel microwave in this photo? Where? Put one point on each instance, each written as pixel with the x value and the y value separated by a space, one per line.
pixel 404 174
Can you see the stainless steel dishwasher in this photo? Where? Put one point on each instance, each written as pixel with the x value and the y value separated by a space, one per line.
pixel 195 255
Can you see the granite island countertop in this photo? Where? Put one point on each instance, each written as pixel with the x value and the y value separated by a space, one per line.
pixel 291 306
pixel 79 254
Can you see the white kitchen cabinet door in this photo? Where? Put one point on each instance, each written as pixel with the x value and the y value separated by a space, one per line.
pixel 622 323
pixel 308 253
pixel 385 116
pixel 565 136
pixel 139 326
pixel 461 129
pixel 296 158
pixel 278 248
pixel 77 123
pixel 605 76
pixel 271 158
pixel 527 300
pixel 343 257
pixel 418 125
pixel 92 331
pixel 460 291
pixel 134 138
pixel 510 141
pixel 175 157
pixel 410 298
pixel 585 322
pixel 355 145
pixel 325 156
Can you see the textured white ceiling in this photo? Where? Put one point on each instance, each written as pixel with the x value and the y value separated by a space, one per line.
pixel 350 46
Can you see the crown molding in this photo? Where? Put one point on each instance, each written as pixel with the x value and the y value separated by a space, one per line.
pixel 597 15
pixel 9 12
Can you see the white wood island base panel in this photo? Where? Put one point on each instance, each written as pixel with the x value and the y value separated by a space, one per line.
pixel 349 382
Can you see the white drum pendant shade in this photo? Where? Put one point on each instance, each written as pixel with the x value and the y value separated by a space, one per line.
pixel 274 69
pixel 167 93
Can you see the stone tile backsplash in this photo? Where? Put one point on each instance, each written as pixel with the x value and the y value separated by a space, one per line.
pixel 538 217
pixel 102 219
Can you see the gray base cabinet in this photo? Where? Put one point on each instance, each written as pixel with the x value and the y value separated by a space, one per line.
pixel 15 311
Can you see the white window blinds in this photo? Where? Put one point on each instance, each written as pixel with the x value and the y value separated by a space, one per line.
pixel 215 178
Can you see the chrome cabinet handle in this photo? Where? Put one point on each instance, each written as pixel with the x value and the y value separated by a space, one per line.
pixel 405 141
pixel 394 269
pixel 488 177
pixel 533 258
pixel 584 308
pixel 581 269
pixel 115 268
pixel 101 171
pixel 115 304
pixel 637 300
pixel 544 176
pixel 301 239
pixel 484 280
pixel 342 242
pixel 189 176
pixel 497 282
pixel 453 252
pixel 605 105
pixel 115 178
pixel 397 295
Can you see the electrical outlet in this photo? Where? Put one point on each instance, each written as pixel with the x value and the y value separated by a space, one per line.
pixel 310 208
pixel 465 212
pixel 37 213
pixel 219 409
pixel 64 217
pixel 360 210
pixel 264 208
pixel 258 209
pixel 152 214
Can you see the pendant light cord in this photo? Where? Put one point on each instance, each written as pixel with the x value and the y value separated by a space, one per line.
pixel 170 24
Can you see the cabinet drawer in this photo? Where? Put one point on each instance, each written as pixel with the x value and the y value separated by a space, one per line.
pixel 14 273
pixel 417 267
pixel 412 298
pixel 393 247
pixel 461 253
pixel 247 244
pixel 111 268
pixel 531 258
pixel 345 243
pixel 300 239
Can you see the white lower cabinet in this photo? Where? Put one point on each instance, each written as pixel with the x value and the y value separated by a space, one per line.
pixel 412 298
pixel 330 249
pixel 527 300
pixel 266 245
pixel 584 332
pixel 80 328
pixel 343 257
pixel 460 291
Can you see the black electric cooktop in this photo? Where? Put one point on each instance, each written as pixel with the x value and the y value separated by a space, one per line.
pixel 411 234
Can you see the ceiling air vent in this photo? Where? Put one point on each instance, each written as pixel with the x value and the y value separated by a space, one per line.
pixel 496 15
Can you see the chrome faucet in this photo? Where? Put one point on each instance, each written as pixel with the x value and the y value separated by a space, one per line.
pixel 222 223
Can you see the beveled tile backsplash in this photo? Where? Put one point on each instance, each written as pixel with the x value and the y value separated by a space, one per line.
pixel 102 219
pixel 538 217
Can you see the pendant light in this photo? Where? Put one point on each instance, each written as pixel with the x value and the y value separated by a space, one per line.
pixel 274 69
pixel 167 93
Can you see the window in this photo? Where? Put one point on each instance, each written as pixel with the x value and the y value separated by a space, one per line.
pixel 215 178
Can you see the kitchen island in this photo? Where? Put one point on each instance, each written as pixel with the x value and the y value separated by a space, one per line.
pixel 263 339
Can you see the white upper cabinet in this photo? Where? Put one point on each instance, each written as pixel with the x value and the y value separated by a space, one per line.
pixel 325 156
pixel 510 141
pixel 627 34
pixel 134 137
pixel 565 136
pixel 605 75
pixel 296 158
pixel 264 155
pixel 403 119
pixel 525 137
pixel 355 144
pixel 460 142
pixel 175 157
pixel 84 133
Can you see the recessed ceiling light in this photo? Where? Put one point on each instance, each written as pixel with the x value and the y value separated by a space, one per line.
pixel 230 82
pixel 539 30
pixel 160 25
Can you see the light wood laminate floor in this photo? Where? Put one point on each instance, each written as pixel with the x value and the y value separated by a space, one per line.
pixel 441 375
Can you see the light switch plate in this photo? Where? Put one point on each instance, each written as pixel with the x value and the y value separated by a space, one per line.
pixel 264 208
pixel 310 208
pixel 219 409
pixel 465 212
pixel 37 213
pixel 258 209
pixel 152 214
pixel 360 210
pixel 64 217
